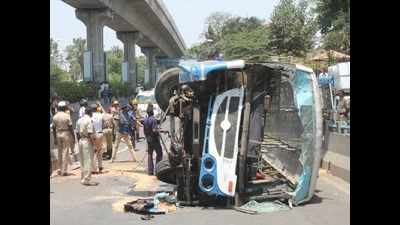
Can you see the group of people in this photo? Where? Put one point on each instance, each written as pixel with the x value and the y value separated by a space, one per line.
pixel 99 133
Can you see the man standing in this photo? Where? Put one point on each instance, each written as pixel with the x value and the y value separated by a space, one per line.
pixel 69 110
pixel 125 121
pixel 85 129
pixel 135 109
pixel 132 126
pixel 136 123
pixel 326 83
pixel 108 126
pixel 115 113
pixel 98 140
pixel 151 132
pixel 64 136
pixel 83 104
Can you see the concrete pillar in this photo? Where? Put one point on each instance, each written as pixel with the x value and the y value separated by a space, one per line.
pixel 150 54
pixel 95 19
pixel 129 40
pixel 162 62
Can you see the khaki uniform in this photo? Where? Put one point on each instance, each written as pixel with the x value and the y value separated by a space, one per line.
pixel 72 144
pixel 115 115
pixel 127 140
pixel 85 128
pixel 62 122
pixel 98 149
pixel 98 141
pixel 108 124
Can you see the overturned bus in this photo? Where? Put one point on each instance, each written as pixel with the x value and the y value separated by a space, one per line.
pixel 241 131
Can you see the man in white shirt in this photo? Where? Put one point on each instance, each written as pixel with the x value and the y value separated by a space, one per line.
pixel 99 142
pixel 83 104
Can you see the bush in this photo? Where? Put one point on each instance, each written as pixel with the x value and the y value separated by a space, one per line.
pixel 121 89
pixel 73 91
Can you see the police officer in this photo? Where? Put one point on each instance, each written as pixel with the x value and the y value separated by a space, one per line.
pixel 108 126
pixel 125 121
pixel 132 125
pixel 135 109
pixel 85 132
pixel 98 140
pixel 70 110
pixel 136 123
pixel 115 112
pixel 64 136
pixel 151 132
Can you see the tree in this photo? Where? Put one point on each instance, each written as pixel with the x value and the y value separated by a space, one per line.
pixel 334 22
pixel 75 57
pixel 115 57
pixel 292 28
pixel 215 24
pixel 141 64
pixel 328 11
pixel 232 36
pixel 56 63
pixel 252 45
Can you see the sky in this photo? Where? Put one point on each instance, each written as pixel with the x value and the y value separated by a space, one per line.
pixel 189 17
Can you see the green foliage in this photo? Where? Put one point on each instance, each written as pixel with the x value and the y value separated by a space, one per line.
pixel 215 25
pixel 115 57
pixel 121 89
pixel 64 83
pixel 292 28
pixel 141 64
pixel 328 11
pixel 334 22
pixel 338 40
pixel 74 91
pixel 56 63
pixel 251 45
pixel 75 57
pixel 234 37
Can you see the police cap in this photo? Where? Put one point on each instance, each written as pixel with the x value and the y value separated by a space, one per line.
pixel 62 104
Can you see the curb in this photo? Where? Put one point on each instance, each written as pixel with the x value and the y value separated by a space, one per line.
pixel 336 160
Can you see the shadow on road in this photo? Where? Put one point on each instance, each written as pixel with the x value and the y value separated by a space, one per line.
pixel 316 199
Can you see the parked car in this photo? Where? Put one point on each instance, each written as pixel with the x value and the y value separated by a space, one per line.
pixel 144 98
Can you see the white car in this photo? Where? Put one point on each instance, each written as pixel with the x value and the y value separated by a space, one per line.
pixel 144 98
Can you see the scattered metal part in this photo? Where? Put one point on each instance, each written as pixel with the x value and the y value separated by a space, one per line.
pixel 248 211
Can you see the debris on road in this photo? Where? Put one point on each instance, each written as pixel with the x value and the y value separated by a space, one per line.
pixel 253 207
pixel 161 203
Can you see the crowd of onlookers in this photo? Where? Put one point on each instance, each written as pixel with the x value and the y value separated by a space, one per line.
pixel 98 133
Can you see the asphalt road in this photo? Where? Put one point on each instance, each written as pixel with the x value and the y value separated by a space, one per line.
pixel 73 203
